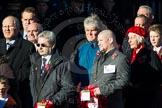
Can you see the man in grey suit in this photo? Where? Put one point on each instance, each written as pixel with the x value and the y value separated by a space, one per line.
pixel 110 72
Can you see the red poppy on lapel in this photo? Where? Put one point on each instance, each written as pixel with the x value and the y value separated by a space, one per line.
pixel 47 67
pixel 114 56
pixel 98 52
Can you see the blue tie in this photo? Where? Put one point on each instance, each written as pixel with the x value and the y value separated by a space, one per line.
pixel 43 67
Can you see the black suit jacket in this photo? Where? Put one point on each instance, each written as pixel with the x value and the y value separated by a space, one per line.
pixel 18 54
pixel 19 62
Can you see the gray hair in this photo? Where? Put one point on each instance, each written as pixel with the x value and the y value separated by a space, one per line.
pixel 148 8
pixel 95 21
pixel 15 20
pixel 140 39
pixel 49 35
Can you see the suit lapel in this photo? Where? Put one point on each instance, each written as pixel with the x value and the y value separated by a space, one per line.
pixel 3 46
pixel 108 60
pixel 54 61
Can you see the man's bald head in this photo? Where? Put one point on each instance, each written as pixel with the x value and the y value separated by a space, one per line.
pixel 107 34
pixel 33 30
pixel 106 40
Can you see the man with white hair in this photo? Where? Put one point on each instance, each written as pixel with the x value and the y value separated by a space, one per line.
pixel 50 77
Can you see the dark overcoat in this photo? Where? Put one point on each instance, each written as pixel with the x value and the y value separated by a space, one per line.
pixel 145 80
pixel 56 86
pixel 19 62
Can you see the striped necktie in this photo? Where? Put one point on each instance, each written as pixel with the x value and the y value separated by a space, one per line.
pixel 43 73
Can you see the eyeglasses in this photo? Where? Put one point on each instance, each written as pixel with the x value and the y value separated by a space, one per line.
pixel 43 45
pixel 8 26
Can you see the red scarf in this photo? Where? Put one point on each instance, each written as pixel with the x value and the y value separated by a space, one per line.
pixel 134 53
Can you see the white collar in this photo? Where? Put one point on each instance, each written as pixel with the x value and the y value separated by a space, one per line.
pixel 47 57
pixel 11 42
pixel 157 49
pixel 5 98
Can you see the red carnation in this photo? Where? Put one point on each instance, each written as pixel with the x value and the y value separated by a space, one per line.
pixel 47 67
pixel 114 56
pixel 98 52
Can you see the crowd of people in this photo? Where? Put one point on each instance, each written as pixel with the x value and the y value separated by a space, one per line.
pixel 109 67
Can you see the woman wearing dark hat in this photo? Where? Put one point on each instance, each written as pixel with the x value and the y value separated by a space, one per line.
pixel 145 72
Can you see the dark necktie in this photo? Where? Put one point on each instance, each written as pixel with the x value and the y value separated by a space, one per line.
pixel 43 73
pixel 8 45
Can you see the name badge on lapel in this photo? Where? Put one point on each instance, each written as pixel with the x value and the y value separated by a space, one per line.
pixel 109 68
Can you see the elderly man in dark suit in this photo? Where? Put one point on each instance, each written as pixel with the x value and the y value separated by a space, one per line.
pixel 50 77
pixel 110 73
pixel 18 51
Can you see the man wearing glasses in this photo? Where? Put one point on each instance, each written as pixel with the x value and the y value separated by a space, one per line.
pixel 50 77
pixel 18 51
